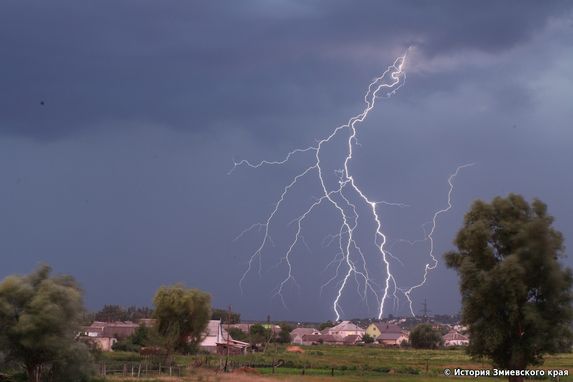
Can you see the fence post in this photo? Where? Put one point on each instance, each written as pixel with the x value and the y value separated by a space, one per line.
pixel 139 370
pixel 332 372
pixel 170 371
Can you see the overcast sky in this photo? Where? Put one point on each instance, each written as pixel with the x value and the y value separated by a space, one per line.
pixel 120 120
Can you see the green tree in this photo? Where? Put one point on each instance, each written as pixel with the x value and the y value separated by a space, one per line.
pixel 182 316
pixel 110 313
pixel 238 334
pixel 423 336
pixel 225 316
pixel 258 334
pixel 516 296
pixel 284 334
pixel 367 339
pixel 39 319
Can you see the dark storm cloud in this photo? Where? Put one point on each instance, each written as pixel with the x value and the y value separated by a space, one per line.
pixel 119 121
pixel 71 66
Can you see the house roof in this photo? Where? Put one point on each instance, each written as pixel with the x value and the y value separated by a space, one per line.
pixel 213 328
pixel 454 336
pixel 345 326
pixel 389 336
pixel 352 339
pixel 385 327
pixel 303 331
pixel 119 329
pixel 331 338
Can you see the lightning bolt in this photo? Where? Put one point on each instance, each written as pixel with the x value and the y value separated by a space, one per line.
pixel 429 237
pixel 351 260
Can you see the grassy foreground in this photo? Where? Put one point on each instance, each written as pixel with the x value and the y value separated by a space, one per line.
pixel 350 363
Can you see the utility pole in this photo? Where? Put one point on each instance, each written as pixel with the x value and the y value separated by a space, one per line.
pixel 425 311
pixel 228 337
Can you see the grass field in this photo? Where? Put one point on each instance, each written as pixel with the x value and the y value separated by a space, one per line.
pixel 350 363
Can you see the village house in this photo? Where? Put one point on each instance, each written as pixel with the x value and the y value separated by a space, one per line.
pixel 217 340
pixel 345 328
pixel 352 339
pixel 454 338
pixel 105 334
pixel 297 334
pixel 387 334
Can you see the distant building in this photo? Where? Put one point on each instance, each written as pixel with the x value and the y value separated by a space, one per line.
pixel 296 334
pixel 392 339
pixel 218 340
pixel 352 339
pixel 345 328
pixel 105 334
pixel 375 329
pixel 387 334
pixel 454 338
pixel 214 334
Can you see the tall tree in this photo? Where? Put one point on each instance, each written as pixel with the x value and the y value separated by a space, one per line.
pixel 516 295
pixel 424 336
pixel 39 319
pixel 182 316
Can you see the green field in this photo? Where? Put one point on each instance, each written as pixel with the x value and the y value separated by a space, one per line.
pixel 355 363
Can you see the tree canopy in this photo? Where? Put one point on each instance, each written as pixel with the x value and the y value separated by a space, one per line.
pixel 39 319
pixel 182 316
pixel 423 336
pixel 225 316
pixel 111 313
pixel 516 296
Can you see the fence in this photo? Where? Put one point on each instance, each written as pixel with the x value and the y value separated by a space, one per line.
pixel 140 370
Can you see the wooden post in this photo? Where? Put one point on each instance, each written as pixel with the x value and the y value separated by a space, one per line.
pixel 228 335
pixel 139 370
pixel 332 372
pixel 170 371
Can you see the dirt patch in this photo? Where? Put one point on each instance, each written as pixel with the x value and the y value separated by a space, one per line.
pixel 294 349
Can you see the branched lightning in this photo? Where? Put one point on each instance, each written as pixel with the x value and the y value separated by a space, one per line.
pixel 429 237
pixel 346 198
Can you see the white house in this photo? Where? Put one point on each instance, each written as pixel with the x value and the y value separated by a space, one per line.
pixel 454 338
pixel 214 335
pixel 345 328
pixel 296 334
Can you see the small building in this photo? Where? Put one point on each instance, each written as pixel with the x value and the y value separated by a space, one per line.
pixel 386 333
pixel 296 334
pixel 375 329
pixel 392 339
pixel 352 339
pixel 232 347
pixel 454 338
pixel 345 328
pixel 104 335
pixel 214 334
